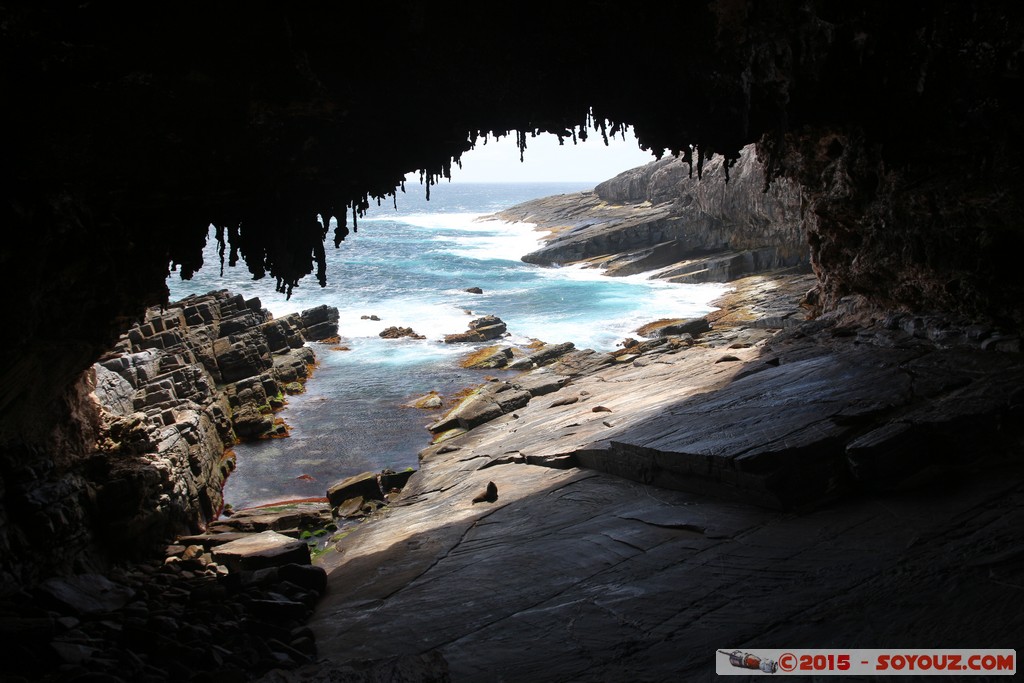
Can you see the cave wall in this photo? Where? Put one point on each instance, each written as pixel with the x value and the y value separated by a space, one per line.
pixel 130 132
pixel 932 235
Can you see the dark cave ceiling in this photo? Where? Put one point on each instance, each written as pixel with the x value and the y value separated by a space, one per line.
pixel 129 130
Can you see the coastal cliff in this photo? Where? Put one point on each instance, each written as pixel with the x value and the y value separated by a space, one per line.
pixel 663 217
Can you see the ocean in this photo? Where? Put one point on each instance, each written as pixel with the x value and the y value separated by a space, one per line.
pixel 410 267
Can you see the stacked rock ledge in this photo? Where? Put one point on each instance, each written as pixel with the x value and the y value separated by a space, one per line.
pixel 176 392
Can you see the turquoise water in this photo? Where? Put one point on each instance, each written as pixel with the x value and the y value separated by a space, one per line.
pixel 410 268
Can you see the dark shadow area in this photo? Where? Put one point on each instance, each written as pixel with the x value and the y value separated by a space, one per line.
pixel 826 410
pixel 590 576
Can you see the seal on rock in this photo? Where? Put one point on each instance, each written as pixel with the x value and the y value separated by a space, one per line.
pixel 488 496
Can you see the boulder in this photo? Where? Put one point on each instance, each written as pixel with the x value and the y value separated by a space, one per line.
pixel 544 355
pixel 474 290
pixel 673 327
pixel 278 517
pixel 512 399
pixel 258 551
pixel 390 480
pixel 485 404
pixel 431 401
pixel 482 329
pixel 250 423
pixel 351 507
pixel 294 365
pixel 395 332
pixel 540 382
pixel 363 485
pixel 319 323
pixel 490 358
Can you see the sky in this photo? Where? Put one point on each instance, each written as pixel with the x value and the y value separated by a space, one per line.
pixel 546 161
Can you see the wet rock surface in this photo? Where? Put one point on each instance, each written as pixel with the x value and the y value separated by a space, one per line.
pixel 832 482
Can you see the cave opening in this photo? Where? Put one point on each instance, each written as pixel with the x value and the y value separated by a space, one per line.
pixel 889 422
pixel 383 278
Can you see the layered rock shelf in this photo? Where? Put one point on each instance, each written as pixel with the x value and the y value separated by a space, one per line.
pixel 678 490
pixel 157 417
pixel 178 390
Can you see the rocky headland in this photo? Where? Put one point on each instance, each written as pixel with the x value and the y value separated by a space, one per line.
pixel 661 217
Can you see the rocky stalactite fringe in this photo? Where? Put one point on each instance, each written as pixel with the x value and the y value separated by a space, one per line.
pixel 289 255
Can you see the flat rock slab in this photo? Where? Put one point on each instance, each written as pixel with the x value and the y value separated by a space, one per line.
pixel 896 459
pixel 583 576
pixel 258 551
pixel 784 423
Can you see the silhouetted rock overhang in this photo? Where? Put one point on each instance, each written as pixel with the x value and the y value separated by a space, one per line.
pixel 130 131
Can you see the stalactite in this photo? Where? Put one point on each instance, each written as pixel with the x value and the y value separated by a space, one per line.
pixel 341 230
pixel 219 233
pixel 319 256
pixel 321 263
pixel 234 241
pixel 288 263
